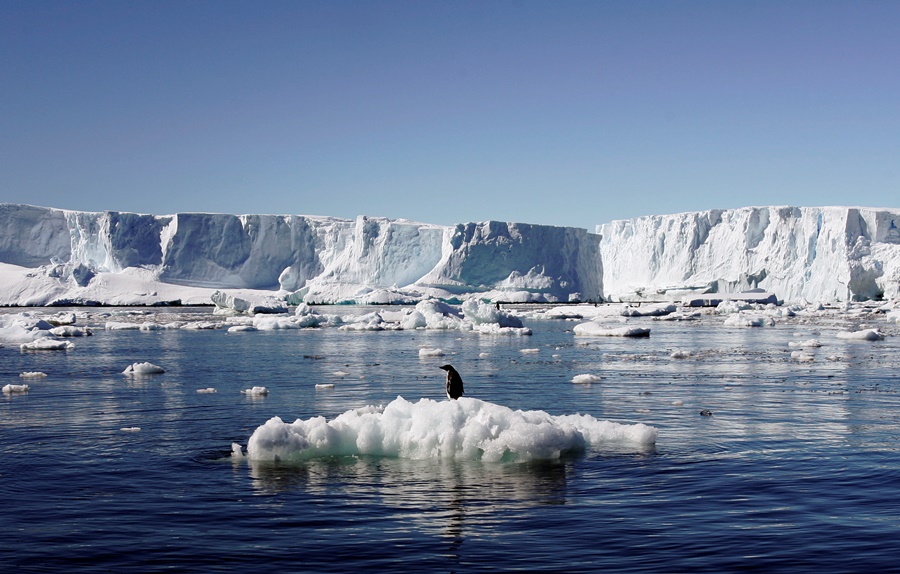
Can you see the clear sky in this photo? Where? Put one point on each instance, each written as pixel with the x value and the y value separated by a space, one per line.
pixel 555 112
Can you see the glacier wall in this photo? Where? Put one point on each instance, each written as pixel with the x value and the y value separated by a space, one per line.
pixel 75 255
pixel 800 253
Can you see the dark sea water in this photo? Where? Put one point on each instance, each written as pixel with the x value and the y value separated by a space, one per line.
pixel 796 470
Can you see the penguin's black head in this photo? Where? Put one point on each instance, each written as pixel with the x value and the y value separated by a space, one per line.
pixel 447 368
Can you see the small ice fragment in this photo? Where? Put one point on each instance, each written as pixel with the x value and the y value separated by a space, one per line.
pixel 10 389
pixel 586 378
pixel 340 373
pixel 483 355
pixel 428 352
pixel 256 391
pixel 207 390
pixel 529 351
pixel 324 385
pixel 143 369
pixel 130 429
pixel 236 451
pixel 678 403
pixel 32 375
pixel 679 354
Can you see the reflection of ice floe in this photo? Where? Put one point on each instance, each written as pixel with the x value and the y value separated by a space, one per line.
pixel 465 429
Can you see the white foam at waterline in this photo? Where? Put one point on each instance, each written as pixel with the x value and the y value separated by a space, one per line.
pixel 10 389
pixel 32 375
pixel 143 369
pixel 465 429
pixel 586 378
pixel 256 392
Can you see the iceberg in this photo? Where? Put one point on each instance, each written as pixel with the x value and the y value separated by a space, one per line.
pixel 262 263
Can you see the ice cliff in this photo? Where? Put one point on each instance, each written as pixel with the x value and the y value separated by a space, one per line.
pixel 52 256
pixel 800 253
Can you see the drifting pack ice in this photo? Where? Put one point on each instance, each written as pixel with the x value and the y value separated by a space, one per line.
pixel 59 257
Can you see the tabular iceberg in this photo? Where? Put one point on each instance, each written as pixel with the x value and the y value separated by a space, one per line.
pixel 51 256
pixel 819 254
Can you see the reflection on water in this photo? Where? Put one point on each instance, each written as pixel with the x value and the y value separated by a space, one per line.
pixel 451 500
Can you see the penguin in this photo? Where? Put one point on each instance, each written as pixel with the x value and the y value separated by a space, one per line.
pixel 454 383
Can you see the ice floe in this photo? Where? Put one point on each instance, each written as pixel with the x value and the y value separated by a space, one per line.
pixel 465 429
pixel 143 369
pixel 13 389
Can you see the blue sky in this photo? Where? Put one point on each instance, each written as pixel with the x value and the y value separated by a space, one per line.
pixel 563 113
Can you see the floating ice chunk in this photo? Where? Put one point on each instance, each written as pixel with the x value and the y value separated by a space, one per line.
pixel 742 320
pixel 130 429
pixel 256 392
pixel 45 344
pixel 121 326
pixel 483 355
pixel 811 343
pixel 429 352
pixel 465 429
pixel 11 389
pixel 226 303
pixel 236 451
pixel 242 329
pixel 586 379
pixel 478 312
pixel 324 385
pixel 862 335
pixel 680 354
pixel 529 351
pixel 32 375
pixel 592 329
pixel 656 310
pixel 340 373
pixel 803 356
pixel 143 369
pixel 678 403
pixel 71 331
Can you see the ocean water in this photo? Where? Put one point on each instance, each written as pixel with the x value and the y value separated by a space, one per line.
pixel 795 470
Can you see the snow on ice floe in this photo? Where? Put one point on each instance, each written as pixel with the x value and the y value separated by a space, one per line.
pixel 465 429
pixel 13 389
pixel 143 369
pixel 861 335
pixel 46 344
